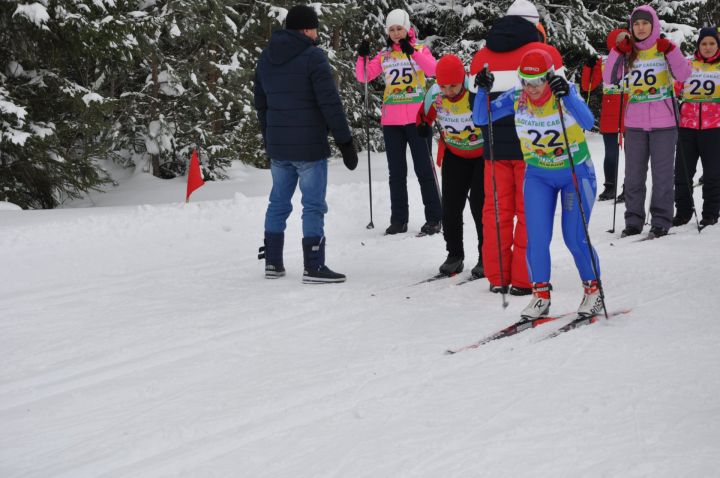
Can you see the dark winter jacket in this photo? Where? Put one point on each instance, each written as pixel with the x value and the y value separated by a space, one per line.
pixel 510 33
pixel 508 40
pixel 296 99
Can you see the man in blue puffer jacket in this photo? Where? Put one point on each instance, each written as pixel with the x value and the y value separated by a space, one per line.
pixel 297 102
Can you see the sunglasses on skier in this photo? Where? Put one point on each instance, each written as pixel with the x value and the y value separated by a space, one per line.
pixel 534 81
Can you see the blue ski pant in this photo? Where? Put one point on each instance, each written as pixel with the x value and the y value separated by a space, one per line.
pixel 541 190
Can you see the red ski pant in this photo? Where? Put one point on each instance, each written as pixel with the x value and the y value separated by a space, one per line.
pixel 509 178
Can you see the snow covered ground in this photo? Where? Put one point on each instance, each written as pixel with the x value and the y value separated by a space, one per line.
pixel 139 339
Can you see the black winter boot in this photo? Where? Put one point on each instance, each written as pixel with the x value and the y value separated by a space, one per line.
pixel 316 272
pixel 272 252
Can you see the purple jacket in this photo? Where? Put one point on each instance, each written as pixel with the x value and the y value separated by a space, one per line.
pixel 655 114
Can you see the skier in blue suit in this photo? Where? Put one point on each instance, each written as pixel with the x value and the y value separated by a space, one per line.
pixel 548 172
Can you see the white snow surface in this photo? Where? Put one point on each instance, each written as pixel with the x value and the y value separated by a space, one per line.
pixel 140 339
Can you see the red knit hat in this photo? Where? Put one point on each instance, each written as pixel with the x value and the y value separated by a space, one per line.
pixel 450 71
pixel 535 64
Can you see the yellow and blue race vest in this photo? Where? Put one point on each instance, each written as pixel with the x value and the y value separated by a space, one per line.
pixel 541 137
pixel 404 81
pixel 649 79
pixel 703 85
pixel 455 119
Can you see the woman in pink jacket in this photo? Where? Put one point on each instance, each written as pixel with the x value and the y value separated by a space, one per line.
pixel 650 63
pixel 404 65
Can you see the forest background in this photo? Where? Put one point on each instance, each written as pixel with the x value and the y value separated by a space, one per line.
pixel 141 83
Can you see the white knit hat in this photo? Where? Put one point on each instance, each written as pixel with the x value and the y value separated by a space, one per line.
pixel 397 17
pixel 525 9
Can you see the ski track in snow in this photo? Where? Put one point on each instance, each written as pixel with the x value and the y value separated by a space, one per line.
pixel 143 341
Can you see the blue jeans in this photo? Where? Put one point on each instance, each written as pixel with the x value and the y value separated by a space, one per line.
pixel 541 192
pixel 312 176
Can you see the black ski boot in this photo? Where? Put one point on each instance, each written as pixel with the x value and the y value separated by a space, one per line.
pixel 396 228
pixel 681 219
pixel 657 231
pixel 478 272
pixel 316 272
pixel 499 289
pixel 630 231
pixel 430 228
pixel 272 252
pixel 606 195
pixel 708 221
pixel 452 265
pixel 520 291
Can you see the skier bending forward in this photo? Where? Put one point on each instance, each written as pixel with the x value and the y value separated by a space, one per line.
pixel 538 125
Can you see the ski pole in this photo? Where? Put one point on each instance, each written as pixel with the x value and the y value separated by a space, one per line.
pixel 367 137
pixel 495 195
pixel 593 258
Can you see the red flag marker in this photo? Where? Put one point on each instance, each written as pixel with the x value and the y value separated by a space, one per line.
pixel 195 179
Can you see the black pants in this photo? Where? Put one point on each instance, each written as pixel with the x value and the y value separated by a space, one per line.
pixel 462 179
pixel 612 154
pixel 397 139
pixel 704 144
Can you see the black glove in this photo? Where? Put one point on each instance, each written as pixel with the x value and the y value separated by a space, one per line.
pixel 363 48
pixel 590 62
pixel 406 47
pixel 424 130
pixel 559 86
pixel 484 79
pixel 350 157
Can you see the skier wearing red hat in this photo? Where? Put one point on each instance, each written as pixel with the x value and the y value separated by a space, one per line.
pixel 508 40
pixel 611 121
pixel 460 155
pixel 543 136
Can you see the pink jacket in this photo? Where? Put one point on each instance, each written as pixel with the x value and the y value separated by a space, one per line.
pixel 397 114
pixel 655 114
